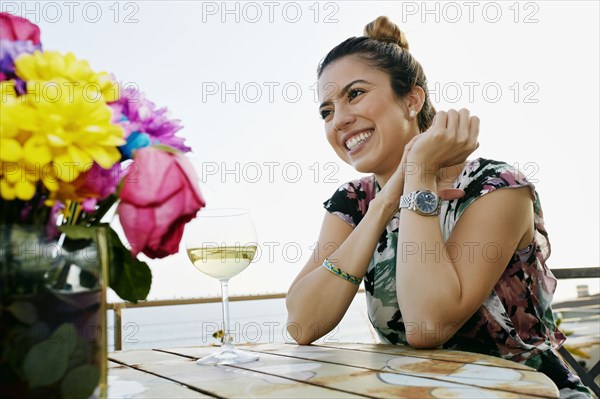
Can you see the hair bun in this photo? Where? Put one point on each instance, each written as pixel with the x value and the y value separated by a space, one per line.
pixel 386 31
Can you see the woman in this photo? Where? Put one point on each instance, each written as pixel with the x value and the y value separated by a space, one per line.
pixel 448 258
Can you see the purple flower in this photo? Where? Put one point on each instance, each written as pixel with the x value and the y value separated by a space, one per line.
pixel 9 50
pixel 51 227
pixel 98 183
pixel 135 113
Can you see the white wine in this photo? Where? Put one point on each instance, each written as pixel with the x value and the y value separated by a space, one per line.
pixel 222 262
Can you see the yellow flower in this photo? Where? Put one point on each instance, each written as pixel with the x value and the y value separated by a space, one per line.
pixel 10 148
pixel 18 180
pixel 53 139
pixel 67 72
pixel 13 183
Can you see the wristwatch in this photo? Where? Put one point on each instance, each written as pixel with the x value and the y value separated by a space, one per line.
pixel 423 202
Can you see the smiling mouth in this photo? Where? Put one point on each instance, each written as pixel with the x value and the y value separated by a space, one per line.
pixel 360 138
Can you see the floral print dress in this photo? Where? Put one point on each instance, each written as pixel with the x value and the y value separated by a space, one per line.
pixel 515 322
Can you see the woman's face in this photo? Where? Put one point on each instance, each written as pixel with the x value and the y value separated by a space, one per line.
pixel 365 124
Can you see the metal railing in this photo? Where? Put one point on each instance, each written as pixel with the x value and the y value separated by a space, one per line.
pixel 579 272
pixel 590 312
pixel 117 308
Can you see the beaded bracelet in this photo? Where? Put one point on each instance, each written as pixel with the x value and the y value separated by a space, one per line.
pixel 340 273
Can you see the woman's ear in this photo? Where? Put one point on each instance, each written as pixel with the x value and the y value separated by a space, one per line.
pixel 415 98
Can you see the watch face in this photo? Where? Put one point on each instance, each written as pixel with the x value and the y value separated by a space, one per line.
pixel 426 202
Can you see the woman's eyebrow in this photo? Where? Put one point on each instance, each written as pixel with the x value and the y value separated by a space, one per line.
pixel 341 92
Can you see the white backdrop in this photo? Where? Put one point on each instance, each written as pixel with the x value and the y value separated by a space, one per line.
pixel 241 76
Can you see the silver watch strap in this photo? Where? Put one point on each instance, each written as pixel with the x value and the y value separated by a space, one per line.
pixel 406 201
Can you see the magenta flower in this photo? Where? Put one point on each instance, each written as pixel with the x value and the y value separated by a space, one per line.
pixel 135 113
pixel 98 183
pixel 17 36
pixel 15 28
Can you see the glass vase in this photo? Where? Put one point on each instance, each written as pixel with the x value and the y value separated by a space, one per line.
pixel 52 314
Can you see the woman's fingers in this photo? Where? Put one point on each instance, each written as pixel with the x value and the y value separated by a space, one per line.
pixel 451 138
pixel 462 130
pixel 407 148
pixel 409 145
pixel 395 185
pixel 449 194
pixel 466 135
pixel 474 130
pixel 440 121
pixel 452 124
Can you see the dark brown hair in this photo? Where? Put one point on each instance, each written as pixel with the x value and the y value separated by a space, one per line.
pixel 384 46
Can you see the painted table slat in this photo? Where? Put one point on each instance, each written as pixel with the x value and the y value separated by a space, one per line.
pixel 127 382
pixel 334 370
pixel 222 381
pixel 330 366
pixel 449 355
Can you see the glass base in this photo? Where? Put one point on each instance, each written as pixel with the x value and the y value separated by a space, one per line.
pixel 228 354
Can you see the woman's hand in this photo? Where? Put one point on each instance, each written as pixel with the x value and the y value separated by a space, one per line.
pixel 451 138
pixel 393 189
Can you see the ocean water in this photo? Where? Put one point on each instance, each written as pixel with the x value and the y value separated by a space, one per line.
pixel 260 321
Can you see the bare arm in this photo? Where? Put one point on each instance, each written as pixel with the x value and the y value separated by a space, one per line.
pixel 441 284
pixel 317 299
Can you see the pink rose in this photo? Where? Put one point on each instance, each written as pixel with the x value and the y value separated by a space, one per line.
pixel 16 28
pixel 159 196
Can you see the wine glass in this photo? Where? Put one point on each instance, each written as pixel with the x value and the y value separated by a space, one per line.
pixel 221 243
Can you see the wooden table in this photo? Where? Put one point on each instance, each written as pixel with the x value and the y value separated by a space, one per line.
pixel 324 371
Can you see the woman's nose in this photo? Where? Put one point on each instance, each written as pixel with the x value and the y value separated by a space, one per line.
pixel 342 118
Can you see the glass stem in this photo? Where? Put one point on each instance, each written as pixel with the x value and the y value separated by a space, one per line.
pixel 227 337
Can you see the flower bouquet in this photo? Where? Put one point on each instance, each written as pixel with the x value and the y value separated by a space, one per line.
pixel 76 149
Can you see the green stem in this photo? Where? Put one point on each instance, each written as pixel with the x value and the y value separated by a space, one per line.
pixel 103 207
pixel 6 256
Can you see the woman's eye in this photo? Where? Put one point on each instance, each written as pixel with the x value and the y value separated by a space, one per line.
pixel 325 113
pixel 353 93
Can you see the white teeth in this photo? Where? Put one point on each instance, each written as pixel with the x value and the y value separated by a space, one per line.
pixel 359 138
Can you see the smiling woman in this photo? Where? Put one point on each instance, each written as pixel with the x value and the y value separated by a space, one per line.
pixel 452 251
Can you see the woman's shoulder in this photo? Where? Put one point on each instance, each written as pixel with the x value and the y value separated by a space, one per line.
pixel 364 184
pixel 481 176
pixel 351 200
pixel 486 166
